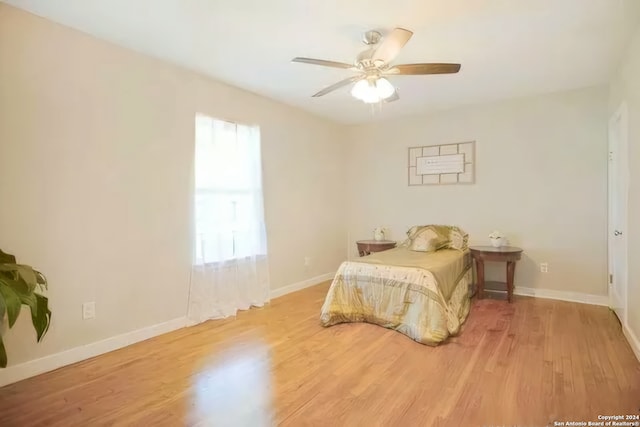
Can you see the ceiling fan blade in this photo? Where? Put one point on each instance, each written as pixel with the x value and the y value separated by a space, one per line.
pixel 391 45
pixel 323 62
pixel 393 97
pixel 338 85
pixel 419 69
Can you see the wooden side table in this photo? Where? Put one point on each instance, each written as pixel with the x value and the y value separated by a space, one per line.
pixel 508 254
pixel 365 247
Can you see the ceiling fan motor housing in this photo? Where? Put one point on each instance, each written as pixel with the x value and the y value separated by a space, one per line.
pixel 371 37
pixel 363 60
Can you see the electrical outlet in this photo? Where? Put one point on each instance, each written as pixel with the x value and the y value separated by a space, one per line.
pixel 89 310
pixel 307 261
pixel 544 267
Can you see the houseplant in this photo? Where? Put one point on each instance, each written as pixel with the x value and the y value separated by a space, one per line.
pixel 19 285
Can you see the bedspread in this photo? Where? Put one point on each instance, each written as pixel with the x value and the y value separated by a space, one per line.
pixel 422 295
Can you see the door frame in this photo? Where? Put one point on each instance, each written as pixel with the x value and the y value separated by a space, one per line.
pixel 620 116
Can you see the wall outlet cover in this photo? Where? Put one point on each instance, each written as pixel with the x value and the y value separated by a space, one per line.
pixel 89 310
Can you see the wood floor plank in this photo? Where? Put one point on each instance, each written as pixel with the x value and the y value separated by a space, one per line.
pixel 532 362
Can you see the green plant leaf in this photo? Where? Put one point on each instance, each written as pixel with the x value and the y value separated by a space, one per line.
pixel 6 258
pixel 40 313
pixel 40 279
pixel 12 302
pixel 8 273
pixel 24 277
pixel 29 276
pixel 3 355
pixel 3 309
pixel 29 300
pixel 16 285
pixel 42 320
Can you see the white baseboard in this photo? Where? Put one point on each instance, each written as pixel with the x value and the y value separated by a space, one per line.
pixel 278 292
pixel 563 295
pixel 18 372
pixel 634 342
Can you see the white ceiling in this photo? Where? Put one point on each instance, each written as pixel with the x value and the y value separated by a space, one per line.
pixel 507 48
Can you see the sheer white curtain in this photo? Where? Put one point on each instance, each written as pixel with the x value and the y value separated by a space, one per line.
pixel 230 268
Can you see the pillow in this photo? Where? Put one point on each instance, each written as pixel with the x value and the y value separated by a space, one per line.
pixel 441 229
pixel 428 239
pixel 414 229
pixel 456 237
pixel 410 234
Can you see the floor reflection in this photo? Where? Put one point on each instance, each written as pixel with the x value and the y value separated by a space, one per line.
pixel 235 388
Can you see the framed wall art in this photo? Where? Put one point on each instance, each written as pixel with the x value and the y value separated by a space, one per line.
pixel 442 164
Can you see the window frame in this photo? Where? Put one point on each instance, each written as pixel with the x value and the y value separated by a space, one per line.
pixel 260 253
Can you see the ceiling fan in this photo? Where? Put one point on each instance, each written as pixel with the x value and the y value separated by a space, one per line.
pixel 373 65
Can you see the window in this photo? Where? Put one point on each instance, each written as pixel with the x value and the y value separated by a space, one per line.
pixel 229 217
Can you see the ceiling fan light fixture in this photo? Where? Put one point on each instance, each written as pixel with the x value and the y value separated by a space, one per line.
pixel 372 98
pixel 361 89
pixel 372 91
pixel 385 89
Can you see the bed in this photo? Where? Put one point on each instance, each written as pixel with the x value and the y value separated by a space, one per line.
pixel 422 294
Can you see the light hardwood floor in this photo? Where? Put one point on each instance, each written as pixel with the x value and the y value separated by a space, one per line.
pixel 529 363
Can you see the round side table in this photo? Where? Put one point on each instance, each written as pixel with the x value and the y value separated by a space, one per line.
pixel 508 254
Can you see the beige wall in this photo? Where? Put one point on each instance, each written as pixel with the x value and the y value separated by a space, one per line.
pixel 96 146
pixel 541 178
pixel 625 87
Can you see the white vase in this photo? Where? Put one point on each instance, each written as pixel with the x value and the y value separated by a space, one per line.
pixel 378 234
pixel 497 242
